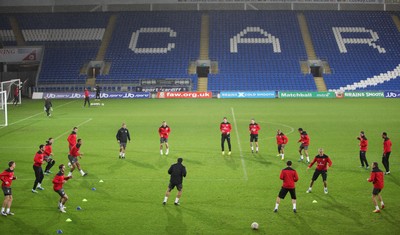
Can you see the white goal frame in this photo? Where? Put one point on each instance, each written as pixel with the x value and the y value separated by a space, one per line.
pixel 7 86
pixel 3 107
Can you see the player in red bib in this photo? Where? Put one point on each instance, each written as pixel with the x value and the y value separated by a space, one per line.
pixel 164 130
pixel 73 158
pixel 48 154
pixel 305 142
pixel 253 129
pixel 363 149
pixel 37 168
pixel 7 176
pixel 281 141
pixel 58 182
pixel 323 164
pixel 377 179
pixel 225 128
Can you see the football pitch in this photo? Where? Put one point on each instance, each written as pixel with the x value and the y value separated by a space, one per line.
pixel 221 194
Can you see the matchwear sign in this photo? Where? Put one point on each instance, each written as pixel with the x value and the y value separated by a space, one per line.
pixel 307 94
pixel 184 95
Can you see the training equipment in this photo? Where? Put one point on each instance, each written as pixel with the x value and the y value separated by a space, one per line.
pixel 315 201
pixel 84 200
pixel 3 109
pixel 9 87
pixel 68 220
pixel 94 189
pixel 59 231
pixel 101 181
pixel 254 226
pixel 79 208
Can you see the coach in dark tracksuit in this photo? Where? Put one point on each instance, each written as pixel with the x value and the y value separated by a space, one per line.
pixel 123 137
pixel 177 172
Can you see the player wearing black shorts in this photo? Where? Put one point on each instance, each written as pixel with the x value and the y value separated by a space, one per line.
pixel 253 129
pixel 177 172
pixel 58 182
pixel 323 163
pixel 7 176
pixel 225 128
pixel 289 177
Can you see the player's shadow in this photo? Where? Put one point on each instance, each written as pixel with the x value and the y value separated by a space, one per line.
pixel 392 178
pixel 230 161
pixel 140 164
pixel 257 158
pixel 175 223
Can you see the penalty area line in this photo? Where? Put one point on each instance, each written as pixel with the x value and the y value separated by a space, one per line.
pixel 240 146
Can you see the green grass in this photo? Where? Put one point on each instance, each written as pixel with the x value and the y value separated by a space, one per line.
pixel 222 194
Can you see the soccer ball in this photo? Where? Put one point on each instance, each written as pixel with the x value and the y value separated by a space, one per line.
pixel 254 226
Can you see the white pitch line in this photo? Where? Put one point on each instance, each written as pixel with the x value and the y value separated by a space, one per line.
pixel 240 146
pixel 33 116
pixel 80 124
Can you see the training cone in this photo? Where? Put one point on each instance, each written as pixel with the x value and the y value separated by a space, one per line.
pixel 68 220
pixel 59 231
pixel 79 208
pixel 84 200
pixel 315 201
pixel 94 189
pixel 101 181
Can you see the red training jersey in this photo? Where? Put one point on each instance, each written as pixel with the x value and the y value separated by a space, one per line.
pixel 7 176
pixel 164 131
pixel 289 177
pixel 363 144
pixel 284 139
pixel 48 150
pixel 279 139
pixel 322 162
pixel 72 139
pixel 16 91
pixel 86 93
pixel 75 151
pixel 377 178
pixel 254 128
pixel 304 139
pixel 58 181
pixel 225 128
pixel 38 159
pixel 387 146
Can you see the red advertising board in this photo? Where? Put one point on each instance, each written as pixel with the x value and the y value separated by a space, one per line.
pixel 184 95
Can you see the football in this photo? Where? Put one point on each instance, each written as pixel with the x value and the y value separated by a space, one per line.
pixel 254 226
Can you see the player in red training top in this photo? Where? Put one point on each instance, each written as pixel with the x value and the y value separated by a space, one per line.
pixel 7 176
pixel 72 138
pixel 48 154
pixel 225 128
pixel 387 149
pixel 281 141
pixel 58 182
pixel 37 168
pixel 73 158
pixel 164 130
pixel 363 149
pixel 87 98
pixel 305 142
pixel 289 177
pixel 253 129
pixel 377 179
pixel 323 164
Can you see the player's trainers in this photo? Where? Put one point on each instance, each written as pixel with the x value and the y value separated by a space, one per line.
pixel 177 204
pixel 40 188
pixel 382 206
pixel 282 158
pixel 46 173
pixel 308 161
pixel 252 151
pixel 275 210
pixel 34 191
pixel 69 165
pixel 164 203
pixel 308 191
pixel 223 152
pixel 326 191
pixel 387 173
pixel 229 153
pixel 62 210
pixel 366 168
pixel 294 211
pixel 10 213
pixel 376 211
pixel 3 213
pixel 278 155
pixel 300 160
pixel 85 174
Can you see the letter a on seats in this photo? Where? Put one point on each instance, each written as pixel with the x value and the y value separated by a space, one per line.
pixel 266 38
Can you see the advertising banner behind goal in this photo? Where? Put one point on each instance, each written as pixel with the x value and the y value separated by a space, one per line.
pixel 20 54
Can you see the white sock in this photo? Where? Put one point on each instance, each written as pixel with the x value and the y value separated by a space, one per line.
pixel 8 210
pixel 165 199
pixel 308 159
pixel 39 185
pixel 2 209
pixel 294 206
pixel 120 154
pixel 81 171
pixel 301 157
pixel 70 173
pixel 276 206
pixel 257 149
pixel 167 151
pixel 176 200
pixel 123 154
pixel 377 207
pixel 161 152
pixel 251 148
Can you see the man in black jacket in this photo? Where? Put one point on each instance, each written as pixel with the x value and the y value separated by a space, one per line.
pixel 177 172
pixel 123 137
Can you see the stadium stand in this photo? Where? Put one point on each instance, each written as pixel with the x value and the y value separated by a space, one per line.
pixel 362 49
pixel 267 57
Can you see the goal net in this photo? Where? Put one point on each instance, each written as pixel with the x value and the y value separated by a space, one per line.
pixel 11 87
pixel 3 109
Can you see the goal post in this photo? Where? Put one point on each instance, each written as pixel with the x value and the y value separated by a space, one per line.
pixel 3 109
pixel 10 87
